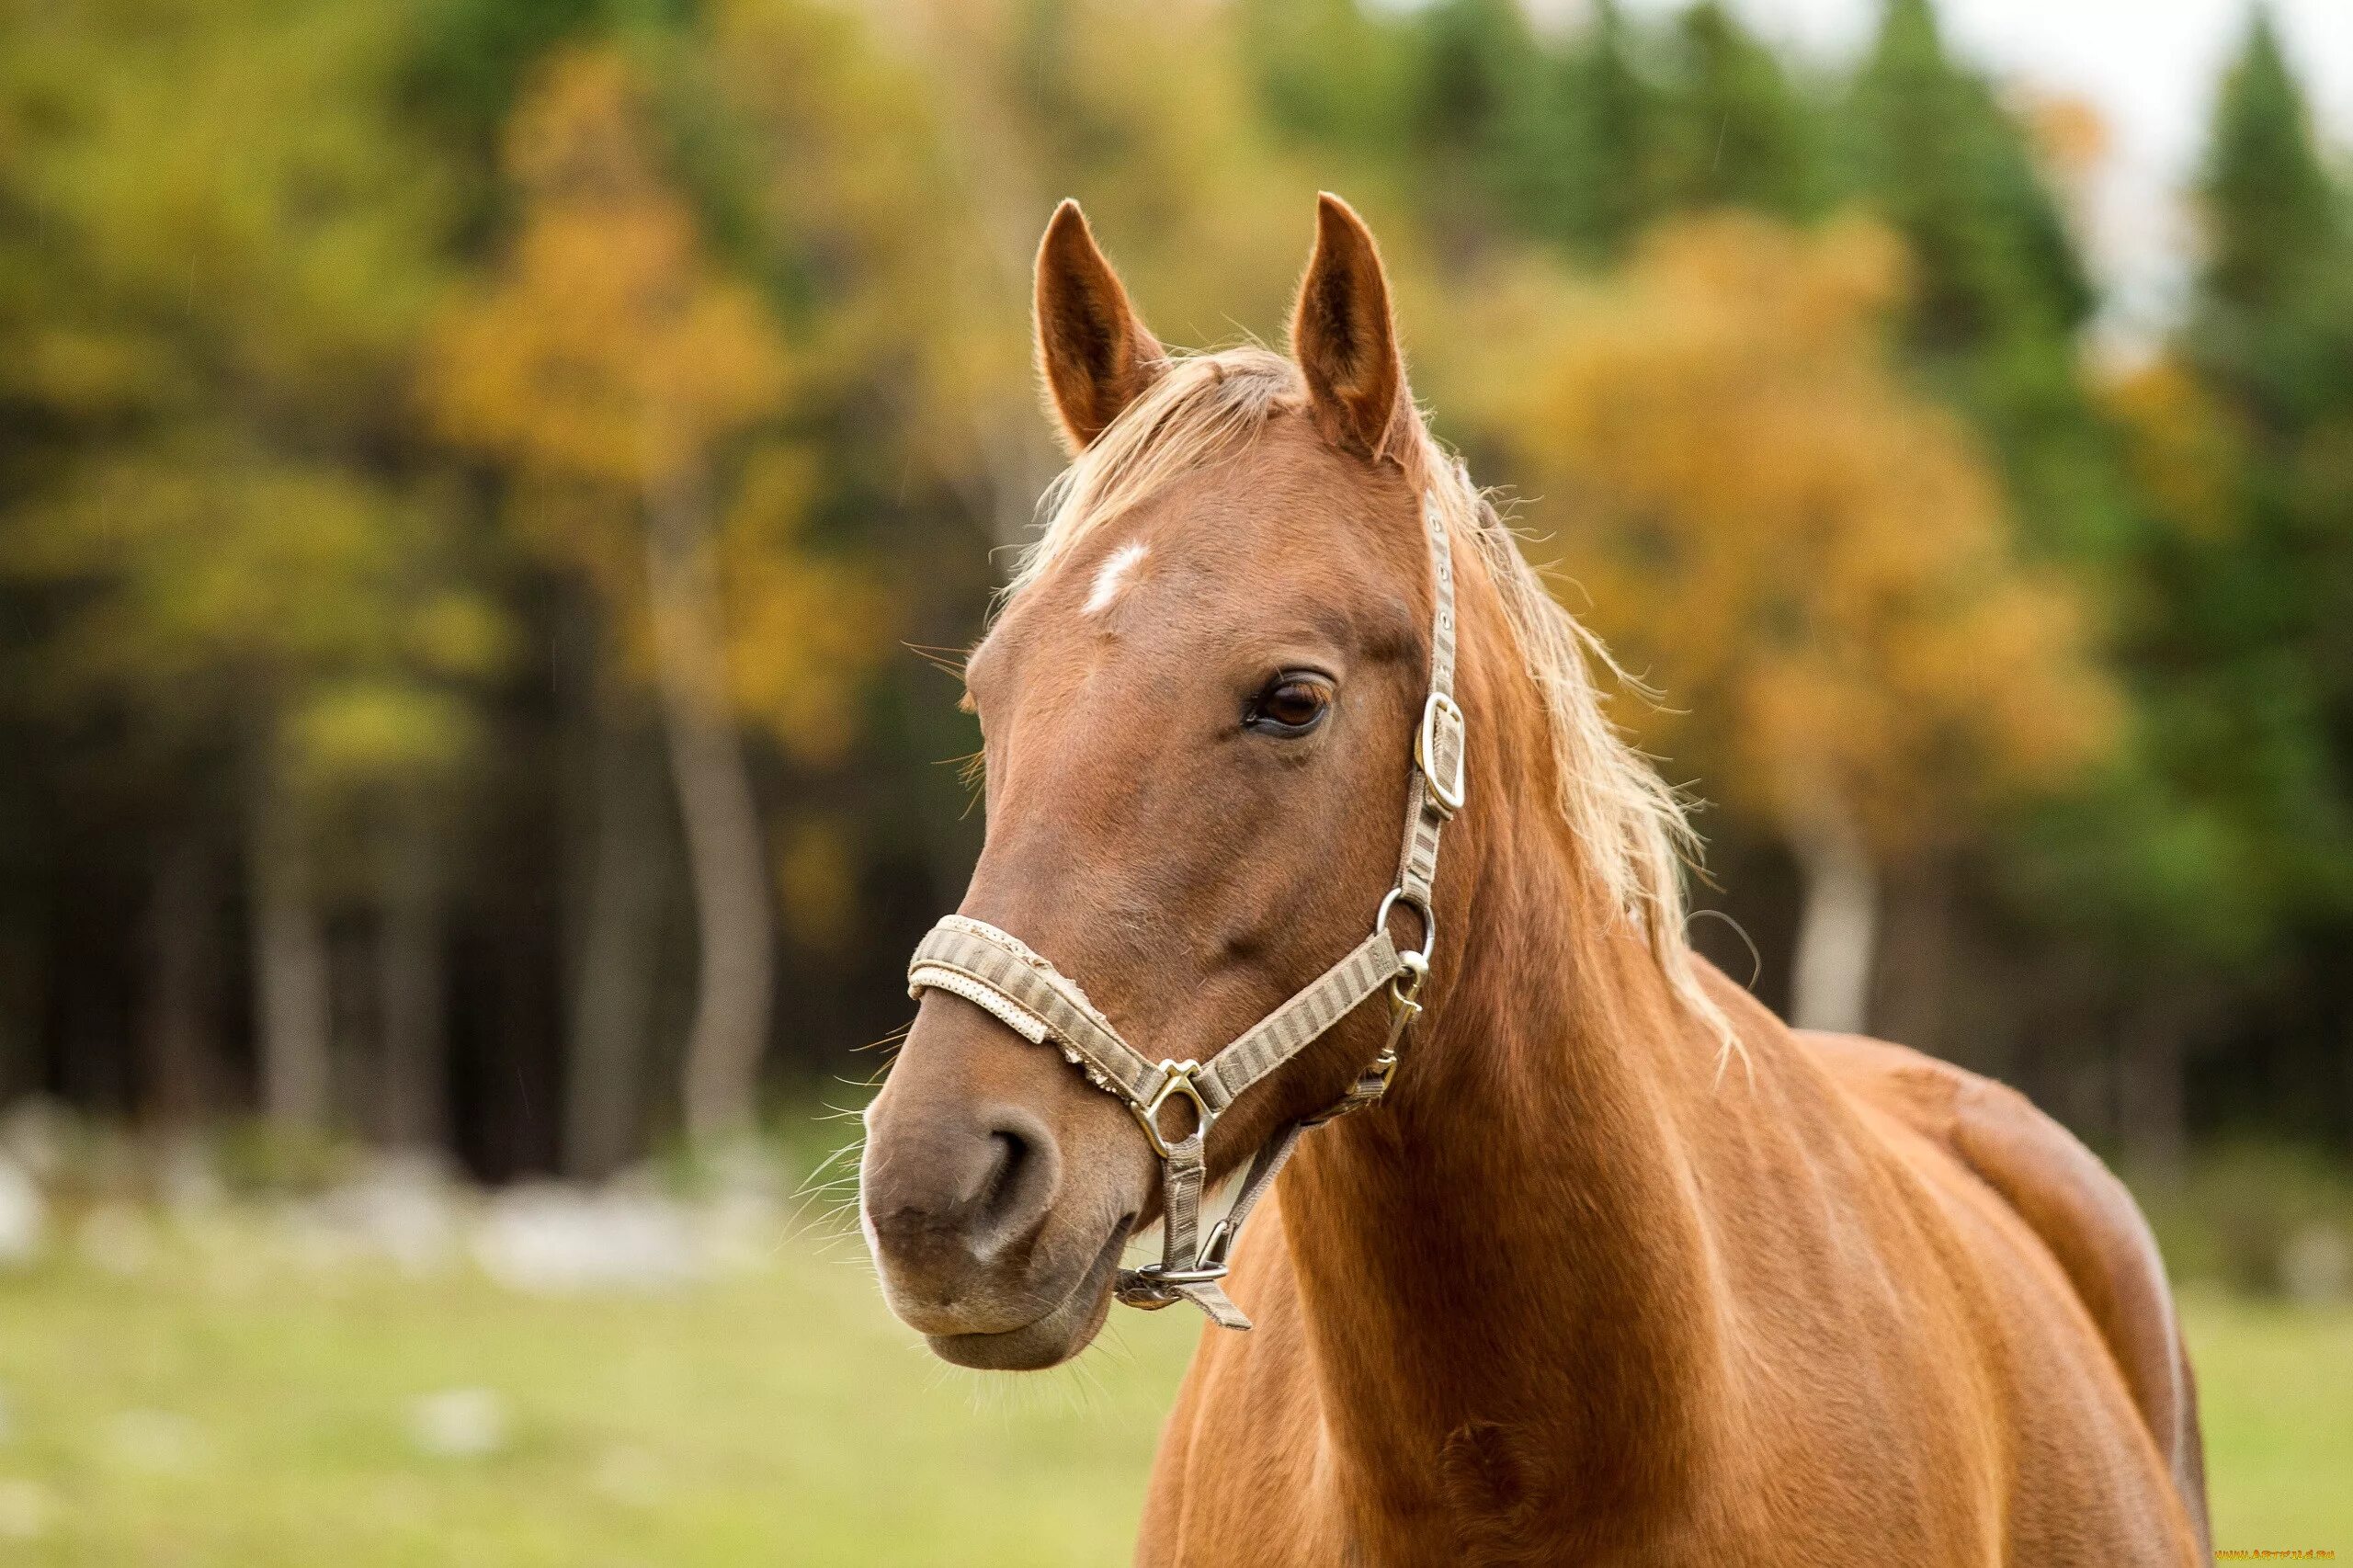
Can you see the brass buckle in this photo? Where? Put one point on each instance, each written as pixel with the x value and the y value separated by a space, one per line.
pixel 1405 1006
pixel 1447 790
pixel 1406 986
pixel 1178 1081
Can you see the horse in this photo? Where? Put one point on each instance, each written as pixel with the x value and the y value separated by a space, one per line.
pixel 1607 1264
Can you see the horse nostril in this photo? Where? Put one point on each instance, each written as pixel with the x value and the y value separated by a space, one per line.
pixel 1019 1184
pixel 1012 1148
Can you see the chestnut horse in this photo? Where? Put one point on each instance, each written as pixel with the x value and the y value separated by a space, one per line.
pixel 1622 1269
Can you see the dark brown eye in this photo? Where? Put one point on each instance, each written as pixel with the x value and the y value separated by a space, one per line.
pixel 1290 704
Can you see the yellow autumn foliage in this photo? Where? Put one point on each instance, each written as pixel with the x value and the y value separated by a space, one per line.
pixel 1808 558
pixel 2185 453
pixel 611 356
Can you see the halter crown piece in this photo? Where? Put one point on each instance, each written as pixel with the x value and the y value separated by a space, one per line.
pixel 996 971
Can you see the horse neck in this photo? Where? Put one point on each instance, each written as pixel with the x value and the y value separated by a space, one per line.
pixel 1502 1268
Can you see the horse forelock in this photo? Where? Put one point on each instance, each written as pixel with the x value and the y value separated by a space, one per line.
pixel 1632 825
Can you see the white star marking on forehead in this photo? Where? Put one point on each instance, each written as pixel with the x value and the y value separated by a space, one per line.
pixel 1113 576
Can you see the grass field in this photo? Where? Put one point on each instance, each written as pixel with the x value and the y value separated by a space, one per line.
pixel 210 1411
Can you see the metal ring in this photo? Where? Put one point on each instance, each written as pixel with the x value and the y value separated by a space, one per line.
pixel 1429 922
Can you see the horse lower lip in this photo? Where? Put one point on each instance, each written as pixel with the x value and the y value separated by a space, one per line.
pixel 1084 1292
pixel 1098 1273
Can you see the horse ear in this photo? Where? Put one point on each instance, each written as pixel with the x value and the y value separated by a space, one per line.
pixel 1342 336
pixel 1095 354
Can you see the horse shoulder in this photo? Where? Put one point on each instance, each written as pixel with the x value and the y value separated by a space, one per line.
pixel 2082 1215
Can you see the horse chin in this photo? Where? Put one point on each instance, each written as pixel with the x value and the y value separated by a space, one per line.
pixel 1062 1333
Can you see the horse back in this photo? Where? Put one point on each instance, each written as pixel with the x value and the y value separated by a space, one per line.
pixel 2074 1205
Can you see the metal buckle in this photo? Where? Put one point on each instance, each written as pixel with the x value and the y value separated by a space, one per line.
pixel 1446 790
pixel 1211 1262
pixel 1178 1081
pixel 1413 960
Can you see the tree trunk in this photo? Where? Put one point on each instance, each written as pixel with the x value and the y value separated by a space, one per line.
pixel 617 944
pixel 1908 1001
pixel 177 1071
pixel 726 851
pixel 1001 176
pixel 411 989
pixel 1838 928
pixel 2152 1116
pixel 292 996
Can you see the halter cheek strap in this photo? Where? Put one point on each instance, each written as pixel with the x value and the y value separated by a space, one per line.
pixel 998 973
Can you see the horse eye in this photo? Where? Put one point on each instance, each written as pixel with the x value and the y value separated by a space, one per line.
pixel 1292 704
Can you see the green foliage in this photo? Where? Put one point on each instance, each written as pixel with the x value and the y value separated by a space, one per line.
pixel 1740 132
pixel 1329 72
pixel 248 239
pixel 1926 142
pixel 321 422
pixel 2233 836
pixel 2275 306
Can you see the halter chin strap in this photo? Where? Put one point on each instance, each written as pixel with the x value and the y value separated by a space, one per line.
pixel 998 973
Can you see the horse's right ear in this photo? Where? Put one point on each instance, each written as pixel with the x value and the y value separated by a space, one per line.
pixel 1096 356
pixel 1346 344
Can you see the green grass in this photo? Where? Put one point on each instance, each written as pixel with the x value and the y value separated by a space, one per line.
pixel 231 1407
pixel 202 1414
pixel 2276 1387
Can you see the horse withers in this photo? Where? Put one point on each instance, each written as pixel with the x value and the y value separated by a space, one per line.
pixel 1608 1266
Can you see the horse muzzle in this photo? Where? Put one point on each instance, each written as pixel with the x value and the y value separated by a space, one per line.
pixel 972 1204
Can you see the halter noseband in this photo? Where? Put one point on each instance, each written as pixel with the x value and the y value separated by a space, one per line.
pixel 998 973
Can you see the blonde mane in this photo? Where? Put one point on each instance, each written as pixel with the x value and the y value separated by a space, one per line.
pixel 1205 409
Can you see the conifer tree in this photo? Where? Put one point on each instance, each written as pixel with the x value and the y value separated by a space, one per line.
pixel 1609 120
pixel 1740 134
pixel 2273 319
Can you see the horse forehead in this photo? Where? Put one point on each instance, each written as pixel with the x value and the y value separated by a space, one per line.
pixel 1256 540
pixel 1284 538
pixel 1196 595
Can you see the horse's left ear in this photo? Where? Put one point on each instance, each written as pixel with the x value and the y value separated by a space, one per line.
pixel 1346 344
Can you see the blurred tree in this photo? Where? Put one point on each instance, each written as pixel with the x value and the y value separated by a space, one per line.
pixel 744 368
pixel 2223 843
pixel 2002 291
pixel 2270 318
pixel 238 245
pixel 1738 132
pixel 1610 157
pixel 1485 132
pixel 1929 145
pixel 1145 117
pixel 1840 603
pixel 1563 139
pixel 1331 73
pixel 615 367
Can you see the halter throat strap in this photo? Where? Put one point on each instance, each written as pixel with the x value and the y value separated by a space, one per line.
pixel 999 973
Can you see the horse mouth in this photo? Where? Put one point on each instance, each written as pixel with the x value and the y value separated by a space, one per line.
pixel 1061 1332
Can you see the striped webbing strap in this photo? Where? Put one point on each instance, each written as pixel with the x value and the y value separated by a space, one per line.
pixel 998 973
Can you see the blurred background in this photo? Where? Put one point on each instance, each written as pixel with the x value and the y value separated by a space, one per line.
pixel 493 494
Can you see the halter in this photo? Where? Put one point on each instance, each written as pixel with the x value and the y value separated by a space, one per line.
pixel 996 971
